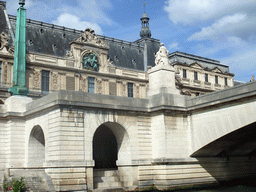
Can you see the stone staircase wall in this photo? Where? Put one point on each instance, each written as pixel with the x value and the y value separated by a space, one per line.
pixel 107 179
pixel 35 180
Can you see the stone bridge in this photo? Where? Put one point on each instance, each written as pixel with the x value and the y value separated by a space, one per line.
pixel 223 123
pixel 165 139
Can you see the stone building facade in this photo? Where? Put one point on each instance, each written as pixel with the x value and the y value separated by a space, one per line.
pixel 105 113
pixel 55 61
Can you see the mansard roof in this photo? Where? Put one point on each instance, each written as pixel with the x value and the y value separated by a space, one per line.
pixel 204 62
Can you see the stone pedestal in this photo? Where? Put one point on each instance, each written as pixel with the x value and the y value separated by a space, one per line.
pixel 162 80
pixel 17 103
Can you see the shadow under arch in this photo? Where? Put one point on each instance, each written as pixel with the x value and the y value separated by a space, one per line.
pixel 232 157
pixel 36 147
pixel 241 142
pixel 111 146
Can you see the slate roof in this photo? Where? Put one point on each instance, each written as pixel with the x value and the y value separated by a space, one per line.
pixel 187 59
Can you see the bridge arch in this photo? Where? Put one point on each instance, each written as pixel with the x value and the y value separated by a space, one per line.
pixel 238 143
pixel 111 146
pixel 36 147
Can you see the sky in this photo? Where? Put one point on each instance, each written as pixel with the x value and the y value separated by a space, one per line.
pixel 224 30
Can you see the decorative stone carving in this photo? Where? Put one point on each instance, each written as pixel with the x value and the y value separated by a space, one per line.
pixel 252 79
pixel 36 79
pixel 69 54
pixel 55 81
pixel 5 73
pixel 137 90
pixel 99 86
pixel 161 57
pixel 186 92
pixel 90 61
pixel 83 84
pixel 3 40
pixel 110 63
pixel 11 50
pixel 90 37
pixel 123 91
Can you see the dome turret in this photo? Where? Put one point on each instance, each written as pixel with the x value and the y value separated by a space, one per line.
pixel 145 31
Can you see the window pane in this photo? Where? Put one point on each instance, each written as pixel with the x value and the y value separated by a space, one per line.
pixel 206 78
pixel 184 73
pixel 91 84
pixel 130 89
pixel 195 75
pixel 45 81
pixel 226 81
pixel 216 79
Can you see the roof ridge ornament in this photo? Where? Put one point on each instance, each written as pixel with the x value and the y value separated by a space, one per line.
pixel 145 31
pixel 90 37
pixel 22 2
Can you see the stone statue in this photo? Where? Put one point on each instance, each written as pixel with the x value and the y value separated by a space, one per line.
pixel 252 79
pixel 161 57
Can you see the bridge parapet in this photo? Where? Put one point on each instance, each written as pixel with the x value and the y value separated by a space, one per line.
pixel 227 95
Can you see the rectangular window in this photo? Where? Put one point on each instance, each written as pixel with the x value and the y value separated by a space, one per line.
pixel 206 77
pixel 216 79
pixel 195 75
pixel 91 84
pixel 184 73
pixel 226 81
pixel 45 81
pixel 130 89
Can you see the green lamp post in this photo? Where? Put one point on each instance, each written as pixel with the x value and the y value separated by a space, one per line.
pixel 19 64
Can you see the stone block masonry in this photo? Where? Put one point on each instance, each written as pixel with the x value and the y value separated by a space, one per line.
pixel 155 138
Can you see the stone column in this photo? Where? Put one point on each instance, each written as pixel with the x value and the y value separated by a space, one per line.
pixel 19 64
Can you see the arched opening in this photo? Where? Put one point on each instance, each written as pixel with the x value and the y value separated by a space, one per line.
pixel 36 147
pixel 104 148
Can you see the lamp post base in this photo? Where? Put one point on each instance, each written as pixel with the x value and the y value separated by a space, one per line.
pixel 16 90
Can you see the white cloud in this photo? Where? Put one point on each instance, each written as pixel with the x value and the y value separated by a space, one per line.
pixel 174 46
pixel 72 21
pixel 89 13
pixel 226 26
pixel 91 10
pixel 194 11
pixel 242 63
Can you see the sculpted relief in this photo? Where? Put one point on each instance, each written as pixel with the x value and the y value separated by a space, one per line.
pixel 4 43
pixel 3 40
pixel 90 61
pixel 89 36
